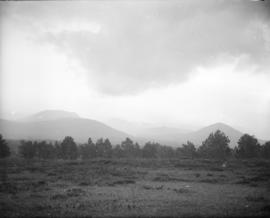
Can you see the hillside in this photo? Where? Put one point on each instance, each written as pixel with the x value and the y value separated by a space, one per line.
pixel 56 129
pixel 176 137
pixel 197 137
pixel 55 125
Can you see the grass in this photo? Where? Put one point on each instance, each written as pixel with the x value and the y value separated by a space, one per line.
pixel 135 188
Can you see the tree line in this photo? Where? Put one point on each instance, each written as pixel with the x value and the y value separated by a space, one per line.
pixel 216 146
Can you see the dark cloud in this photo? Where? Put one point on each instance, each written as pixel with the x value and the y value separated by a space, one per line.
pixel 155 43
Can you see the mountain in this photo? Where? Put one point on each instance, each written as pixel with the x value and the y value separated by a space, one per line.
pixel 164 135
pixel 177 136
pixel 197 137
pixel 142 129
pixel 55 125
pixel 51 115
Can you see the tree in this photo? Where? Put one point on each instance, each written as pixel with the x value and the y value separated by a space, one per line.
pixel 215 146
pixel 188 150
pixel 4 152
pixel 69 148
pixel 265 150
pixel 4 149
pixel 45 150
pixel 136 150
pixel 150 150
pixel 164 151
pixel 248 147
pixel 130 149
pixel 27 149
pixel 104 148
pixel 50 151
pixel 88 150
pixel 118 151
pixel 99 147
pixel 57 148
pixel 107 148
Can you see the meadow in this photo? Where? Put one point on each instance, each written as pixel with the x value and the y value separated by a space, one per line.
pixel 135 188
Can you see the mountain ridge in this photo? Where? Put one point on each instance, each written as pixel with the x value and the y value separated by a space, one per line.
pixel 79 128
pixel 56 124
pixel 198 136
pixel 50 115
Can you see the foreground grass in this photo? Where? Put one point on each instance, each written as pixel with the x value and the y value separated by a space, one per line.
pixel 135 188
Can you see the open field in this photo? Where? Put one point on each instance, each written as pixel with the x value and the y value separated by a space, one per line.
pixel 135 188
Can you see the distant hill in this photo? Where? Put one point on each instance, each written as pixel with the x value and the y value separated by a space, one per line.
pixel 144 132
pixel 176 137
pixel 55 125
pixel 197 137
pixel 51 115
pixel 164 135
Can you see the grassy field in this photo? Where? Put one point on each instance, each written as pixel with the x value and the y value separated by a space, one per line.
pixel 135 188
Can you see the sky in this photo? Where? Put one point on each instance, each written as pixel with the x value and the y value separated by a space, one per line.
pixel 168 63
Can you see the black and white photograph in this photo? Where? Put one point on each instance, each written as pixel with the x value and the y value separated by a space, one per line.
pixel 135 108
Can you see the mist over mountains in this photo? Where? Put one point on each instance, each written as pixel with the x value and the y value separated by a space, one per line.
pixel 51 115
pixel 56 124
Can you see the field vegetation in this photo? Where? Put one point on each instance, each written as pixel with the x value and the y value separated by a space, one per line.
pixel 100 180
pixel 135 188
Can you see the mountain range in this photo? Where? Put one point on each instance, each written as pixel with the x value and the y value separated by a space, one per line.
pixel 55 125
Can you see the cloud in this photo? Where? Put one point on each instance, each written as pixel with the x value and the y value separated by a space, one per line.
pixel 126 48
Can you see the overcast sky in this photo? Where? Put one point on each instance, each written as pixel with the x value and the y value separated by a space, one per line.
pixel 169 63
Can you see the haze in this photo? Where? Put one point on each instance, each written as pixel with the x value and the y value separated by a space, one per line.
pixel 167 63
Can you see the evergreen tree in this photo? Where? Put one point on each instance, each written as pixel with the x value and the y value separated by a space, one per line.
pixel 4 149
pixel 248 147
pixel 88 150
pixel 27 149
pixel 99 147
pixel 130 149
pixel 69 148
pixel 188 150
pixel 165 151
pixel 265 150
pixel 57 148
pixel 107 147
pixel 215 146
pixel 150 150
pixel 118 152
